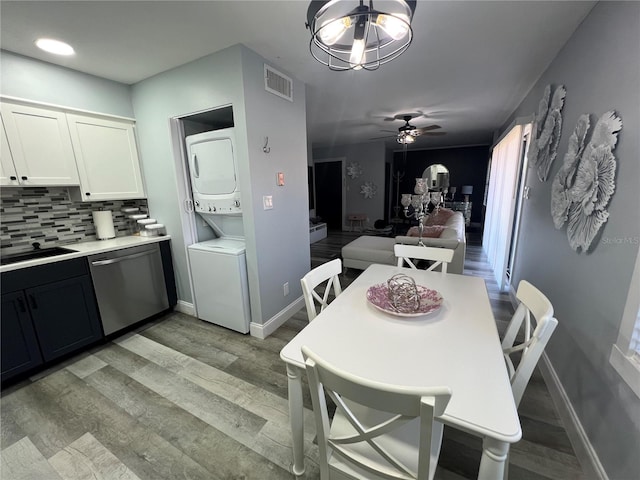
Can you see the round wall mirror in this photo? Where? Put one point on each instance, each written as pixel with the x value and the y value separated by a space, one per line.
pixel 436 176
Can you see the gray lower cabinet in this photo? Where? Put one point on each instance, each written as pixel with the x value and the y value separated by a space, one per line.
pixel 20 350
pixel 50 311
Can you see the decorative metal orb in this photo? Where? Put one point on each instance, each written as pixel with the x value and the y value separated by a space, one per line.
pixel 403 293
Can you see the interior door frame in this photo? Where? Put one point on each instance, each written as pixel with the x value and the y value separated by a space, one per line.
pixel 343 183
pixel 516 201
pixel 521 193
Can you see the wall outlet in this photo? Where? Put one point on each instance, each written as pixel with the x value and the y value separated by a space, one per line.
pixel 285 288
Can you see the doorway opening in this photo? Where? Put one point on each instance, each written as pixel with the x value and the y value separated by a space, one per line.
pixel 330 201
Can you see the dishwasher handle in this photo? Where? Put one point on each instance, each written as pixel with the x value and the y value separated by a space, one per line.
pixel 110 261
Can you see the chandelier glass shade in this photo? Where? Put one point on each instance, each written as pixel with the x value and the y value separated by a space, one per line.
pixel 353 35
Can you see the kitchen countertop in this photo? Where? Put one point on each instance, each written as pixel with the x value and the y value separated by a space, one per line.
pixel 83 249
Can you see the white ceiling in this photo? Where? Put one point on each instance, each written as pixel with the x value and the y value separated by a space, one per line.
pixel 469 66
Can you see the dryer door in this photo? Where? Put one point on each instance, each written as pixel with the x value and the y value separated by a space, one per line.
pixel 212 167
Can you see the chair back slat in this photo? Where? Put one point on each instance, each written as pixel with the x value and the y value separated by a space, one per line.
pixel 534 305
pixel 439 256
pixel 380 430
pixel 327 272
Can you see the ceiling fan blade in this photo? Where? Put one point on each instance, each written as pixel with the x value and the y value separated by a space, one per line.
pixel 380 138
pixel 433 134
pixel 391 131
pixel 428 128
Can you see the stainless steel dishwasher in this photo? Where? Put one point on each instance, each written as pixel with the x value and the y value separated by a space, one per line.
pixel 129 285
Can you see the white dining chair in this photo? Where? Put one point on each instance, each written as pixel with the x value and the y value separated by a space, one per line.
pixel 327 272
pixel 378 430
pixel 408 253
pixel 533 303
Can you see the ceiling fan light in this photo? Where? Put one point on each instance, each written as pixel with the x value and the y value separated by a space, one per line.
pixel 396 26
pixel 404 139
pixel 331 31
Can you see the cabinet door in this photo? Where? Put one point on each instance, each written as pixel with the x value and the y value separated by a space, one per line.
pixel 107 158
pixel 65 316
pixel 20 350
pixel 40 145
pixel 8 175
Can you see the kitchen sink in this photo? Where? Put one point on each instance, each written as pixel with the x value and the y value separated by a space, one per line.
pixel 33 254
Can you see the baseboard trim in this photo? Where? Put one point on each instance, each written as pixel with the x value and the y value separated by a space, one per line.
pixel 186 308
pixel 585 453
pixel 262 331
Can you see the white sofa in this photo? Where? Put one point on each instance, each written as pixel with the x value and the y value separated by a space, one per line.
pixel 365 250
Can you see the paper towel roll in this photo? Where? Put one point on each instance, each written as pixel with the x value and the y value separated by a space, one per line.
pixel 104 224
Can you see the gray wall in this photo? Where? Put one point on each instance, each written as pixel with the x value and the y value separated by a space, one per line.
pixel 235 76
pixel 280 237
pixel 209 82
pixel 31 79
pixel 371 157
pixel 601 71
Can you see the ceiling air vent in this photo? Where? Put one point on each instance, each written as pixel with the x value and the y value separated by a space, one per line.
pixel 278 83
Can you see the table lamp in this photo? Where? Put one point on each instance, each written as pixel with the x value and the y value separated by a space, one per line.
pixel 466 191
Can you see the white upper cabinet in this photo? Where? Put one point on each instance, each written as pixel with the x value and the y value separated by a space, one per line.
pixel 40 146
pixel 8 175
pixel 49 146
pixel 107 158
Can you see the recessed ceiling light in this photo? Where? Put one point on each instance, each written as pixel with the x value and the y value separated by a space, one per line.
pixel 55 46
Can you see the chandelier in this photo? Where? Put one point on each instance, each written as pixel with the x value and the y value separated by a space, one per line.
pixel 350 35
pixel 417 205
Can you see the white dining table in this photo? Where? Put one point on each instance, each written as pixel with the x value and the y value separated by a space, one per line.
pixel 456 346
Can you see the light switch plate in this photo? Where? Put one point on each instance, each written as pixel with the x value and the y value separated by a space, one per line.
pixel 267 202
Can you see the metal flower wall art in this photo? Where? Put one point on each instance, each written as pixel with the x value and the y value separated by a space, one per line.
pixel 368 189
pixel 547 129
pixel 354 170
pixel 584 185
pixel 565 178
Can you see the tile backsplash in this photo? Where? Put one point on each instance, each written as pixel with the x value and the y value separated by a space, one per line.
pixel 47 215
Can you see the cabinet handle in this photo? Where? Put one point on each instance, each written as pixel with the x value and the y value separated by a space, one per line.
pixel 13 177
pixel 109 261
pixel 32 301
pixel 87 194
pixel 24 178
pixel 21 306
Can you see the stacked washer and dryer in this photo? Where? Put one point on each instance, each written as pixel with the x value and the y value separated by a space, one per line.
pixel 218 266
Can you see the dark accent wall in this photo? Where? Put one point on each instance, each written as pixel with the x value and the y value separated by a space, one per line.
pixel 467 166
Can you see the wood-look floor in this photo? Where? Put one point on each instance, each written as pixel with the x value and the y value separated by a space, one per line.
pixel 185 399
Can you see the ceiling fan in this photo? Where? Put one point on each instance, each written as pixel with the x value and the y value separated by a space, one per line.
pixel 407 133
